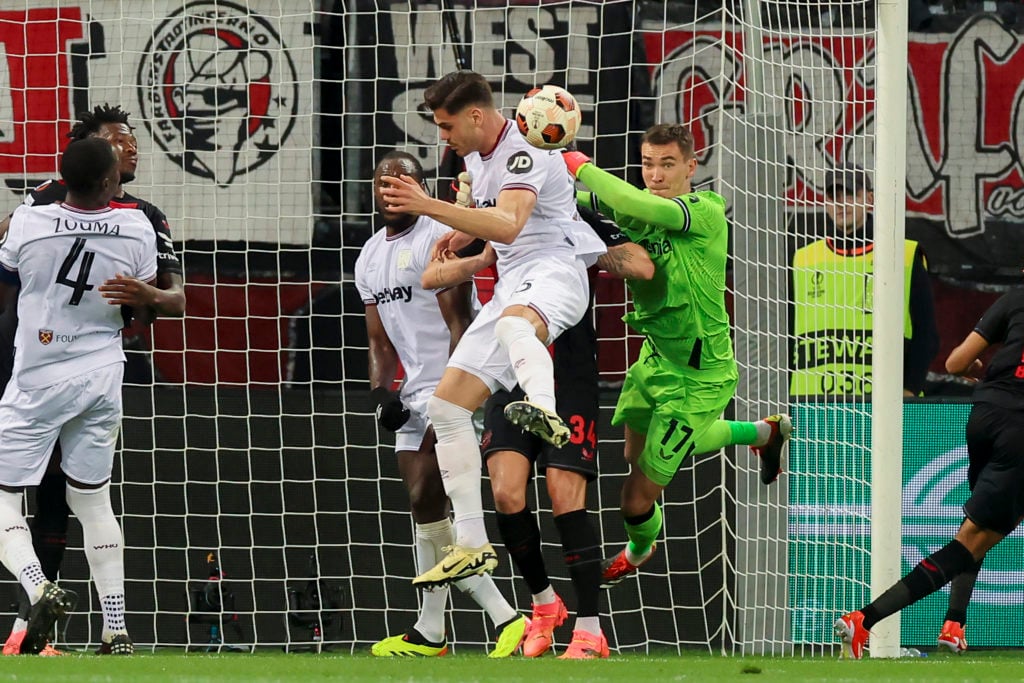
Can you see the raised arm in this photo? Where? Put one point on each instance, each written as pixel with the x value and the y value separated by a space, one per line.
pixel 964 358
pixel 500 223
pixel 611 192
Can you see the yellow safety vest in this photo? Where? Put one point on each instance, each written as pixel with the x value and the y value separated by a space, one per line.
pixel 832 319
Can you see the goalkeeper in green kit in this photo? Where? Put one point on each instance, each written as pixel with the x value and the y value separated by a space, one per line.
pixel 674 394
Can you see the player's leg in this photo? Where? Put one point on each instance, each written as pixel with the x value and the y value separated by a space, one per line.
pixel 952 635
pixel 581 550
pixel 29 424
pixel 88 441
pixel 458 456
pixel 993 511
pixel 545 299
pixel 568 471
pixel 50 522
pixel 49 538
pixel 476 368
pixel 417 465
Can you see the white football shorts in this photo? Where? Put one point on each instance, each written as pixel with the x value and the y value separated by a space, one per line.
pixel 83 412
pixel 410 436
pixel 557 290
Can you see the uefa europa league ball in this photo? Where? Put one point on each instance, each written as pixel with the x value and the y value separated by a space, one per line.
pixel 548 117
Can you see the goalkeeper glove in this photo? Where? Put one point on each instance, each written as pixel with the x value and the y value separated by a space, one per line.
pixel 464 195
pixel 574 160
pixel 391 413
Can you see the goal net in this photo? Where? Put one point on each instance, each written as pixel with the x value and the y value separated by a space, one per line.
pixel 261 505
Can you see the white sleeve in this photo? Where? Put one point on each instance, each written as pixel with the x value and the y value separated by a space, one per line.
pixel 11 248
pixel 146 264
pixel 360 274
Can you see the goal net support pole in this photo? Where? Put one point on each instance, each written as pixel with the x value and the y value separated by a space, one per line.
pixel 887 371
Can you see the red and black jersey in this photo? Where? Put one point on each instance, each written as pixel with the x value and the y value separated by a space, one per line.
pixel 166 260
pixel 1003 323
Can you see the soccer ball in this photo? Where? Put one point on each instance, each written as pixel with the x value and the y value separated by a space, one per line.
pixel 548 117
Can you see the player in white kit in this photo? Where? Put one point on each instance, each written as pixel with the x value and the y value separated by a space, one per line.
pixel 67 376
pixel 420 327
pixel 525 207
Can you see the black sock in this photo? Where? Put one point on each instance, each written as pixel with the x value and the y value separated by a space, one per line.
pixel 930 574
pixel 641 518
pixel 581 548
pixel 24 604
pixel 521 537
pixel 50 523
pixel 960 590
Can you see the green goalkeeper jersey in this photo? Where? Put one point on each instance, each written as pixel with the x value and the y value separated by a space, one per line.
pixel 682 308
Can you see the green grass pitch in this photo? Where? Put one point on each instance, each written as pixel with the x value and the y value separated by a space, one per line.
pixel 173 665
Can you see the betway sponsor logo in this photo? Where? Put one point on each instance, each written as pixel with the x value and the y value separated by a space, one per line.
pixel 400 294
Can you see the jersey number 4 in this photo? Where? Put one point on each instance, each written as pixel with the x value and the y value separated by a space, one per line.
pixel 80 284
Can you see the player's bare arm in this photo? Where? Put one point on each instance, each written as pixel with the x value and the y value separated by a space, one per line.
pixel 449 244
pixel 963 360
pixel 456 311
pixel 627 261
pixel 501 223
pixel 382 354
pixel 148 297
pixel 124 290
pixel 450 270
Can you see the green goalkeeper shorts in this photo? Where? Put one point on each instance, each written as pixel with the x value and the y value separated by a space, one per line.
pixel 673 406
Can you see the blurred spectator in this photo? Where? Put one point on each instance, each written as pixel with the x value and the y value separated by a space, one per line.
pixel 832 293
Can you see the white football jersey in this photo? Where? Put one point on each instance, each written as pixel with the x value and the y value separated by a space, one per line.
pixel 61 255
pixel 515 164
pixel 387 275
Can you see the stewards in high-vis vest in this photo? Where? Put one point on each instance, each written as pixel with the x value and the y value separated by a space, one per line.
pixel 832 292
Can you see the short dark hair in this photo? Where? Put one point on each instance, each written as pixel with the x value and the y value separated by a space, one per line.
pixel 457 90
pixel 398 155
pixel 90 122
pixel 85 163
pixel 667 133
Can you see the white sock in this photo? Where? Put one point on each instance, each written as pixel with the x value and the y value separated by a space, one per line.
pixel 588 624
pixel 104 550
pixel 19 625
pixel 545 597
pixel 458 457
pixel 484 593
pixel 530 359
pixel 16 550
pixel 430 540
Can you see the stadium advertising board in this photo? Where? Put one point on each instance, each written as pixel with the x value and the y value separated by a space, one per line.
pixel 965 124
pixel 220 95
pixel 830 522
